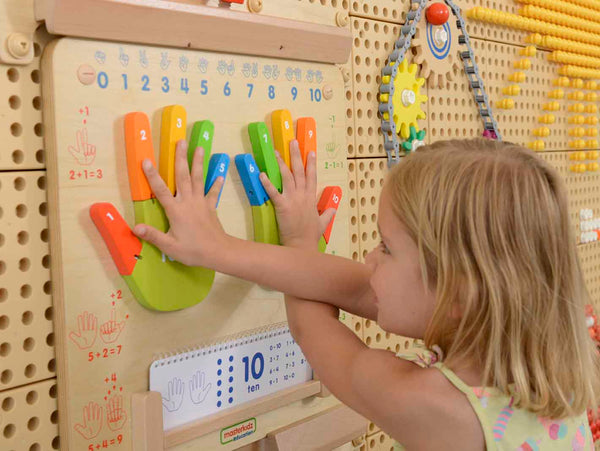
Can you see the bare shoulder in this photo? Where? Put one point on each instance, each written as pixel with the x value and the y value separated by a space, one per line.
pixel 420 408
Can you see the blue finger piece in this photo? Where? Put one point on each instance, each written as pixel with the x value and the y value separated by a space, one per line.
pixel 249 173
pixel 217 167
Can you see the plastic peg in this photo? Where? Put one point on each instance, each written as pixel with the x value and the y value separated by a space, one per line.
pixel 306 132
pixel 217 167
pixel 517 77
pixel 330 198
pixel 283 133
pixel 202 136
pixel 264 154
pixel 249 174
pixel 138 147
pixel 172 129
pixel 556 94
pixel 512 90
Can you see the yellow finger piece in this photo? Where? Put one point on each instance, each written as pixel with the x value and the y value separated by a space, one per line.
pixel 283 133
pixel 172 129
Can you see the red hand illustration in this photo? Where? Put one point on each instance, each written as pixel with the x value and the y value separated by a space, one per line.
pixel 87 323
pixel 115 414
pixel 110 330
pixel 85 153
pixel 92 421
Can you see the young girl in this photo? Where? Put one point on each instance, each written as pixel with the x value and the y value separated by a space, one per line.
pixel 477 258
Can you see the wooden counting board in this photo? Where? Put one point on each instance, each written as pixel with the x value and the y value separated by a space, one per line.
pixel 106 340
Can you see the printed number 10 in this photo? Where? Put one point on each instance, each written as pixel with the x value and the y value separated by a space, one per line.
pixel 256 367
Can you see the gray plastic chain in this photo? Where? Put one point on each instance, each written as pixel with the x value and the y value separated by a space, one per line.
pixel 401 46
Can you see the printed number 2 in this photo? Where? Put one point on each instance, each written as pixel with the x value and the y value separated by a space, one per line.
pixel 143 135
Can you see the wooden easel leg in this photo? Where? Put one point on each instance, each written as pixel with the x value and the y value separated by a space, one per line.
pixel 147 421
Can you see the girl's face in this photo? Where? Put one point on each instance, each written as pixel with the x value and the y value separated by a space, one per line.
pixel 405 307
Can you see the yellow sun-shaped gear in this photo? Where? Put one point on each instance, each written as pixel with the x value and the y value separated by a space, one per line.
pixel 407 99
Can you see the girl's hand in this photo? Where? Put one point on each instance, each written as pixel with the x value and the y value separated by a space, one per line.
pixel 297 218
pixel 195 235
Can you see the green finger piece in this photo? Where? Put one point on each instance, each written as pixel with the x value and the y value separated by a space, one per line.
pixel 265 223
pixel 322 245
pixel 264 154
pixel 202 136
pixel 164 285
pixel 157 282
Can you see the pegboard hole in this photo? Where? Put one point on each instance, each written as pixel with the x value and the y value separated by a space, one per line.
pixel 6 376
pixel 49 313
pixel 41 182
pixel 19 183
pixel 12 74
pixel 8 404
pixel 46 261
pixel 37 49
pixel 50 339
pixel 29 344
pixel 35 447
pixel 18 156
pixel 4 322
pixel 22 237
pixel 16 129
pixel 24 264
pixel 56 442
pixel 3 291
pixel 9 430
pixel 25 291
pixel 43 209
pixel 38 129
pixel 40 156
pixel 37 103
pixel 30 370
pixel 14 102
pixel 1 240
pixel 54 417
pixel 27 317
pixel 33 423
pixel 52 365
pixel 5 349
pixel 35 76
pixel 21 210
pixel 48 287
pixel 44 235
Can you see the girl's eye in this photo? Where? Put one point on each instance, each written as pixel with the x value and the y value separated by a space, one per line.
pixel 384 248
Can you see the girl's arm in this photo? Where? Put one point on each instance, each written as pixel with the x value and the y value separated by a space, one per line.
pixel 196 238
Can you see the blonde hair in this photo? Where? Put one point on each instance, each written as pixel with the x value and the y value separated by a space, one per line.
pixel 495 243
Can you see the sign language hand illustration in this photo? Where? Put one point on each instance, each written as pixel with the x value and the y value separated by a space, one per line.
pixel 92 421
pixel 87 330
pixel 174 397
pixel 115 413
pixel 198 387
pixel 84 153
pixel 110 330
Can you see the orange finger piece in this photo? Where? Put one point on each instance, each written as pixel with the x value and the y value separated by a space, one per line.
pixel 306 134
pixel 122 244
pixel 138 145
pixel 172 130
pixel 331 197
pixel 283 133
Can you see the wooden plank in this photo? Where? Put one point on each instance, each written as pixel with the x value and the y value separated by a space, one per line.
pixel 196 27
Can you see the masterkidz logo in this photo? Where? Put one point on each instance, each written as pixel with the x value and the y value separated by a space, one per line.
pixel 238 431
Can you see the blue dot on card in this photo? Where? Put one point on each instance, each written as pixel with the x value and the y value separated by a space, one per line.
pixel 219 361
pixel 231 358
pixel 219 372
pixel 219 404
pixel 219 393
pixel 230 400
pixel 230 389
pixel 219 383
pixel 230 378
pixel 231 369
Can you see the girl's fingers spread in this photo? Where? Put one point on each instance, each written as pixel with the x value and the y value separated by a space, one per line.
pixel 287 177
pixel 325 219
pixel 159 187
pixel 198 172
pixel 270 188
pixel 311 173
pixel 215 190
pixel 297 165
pixel 153 236
pixel 182 172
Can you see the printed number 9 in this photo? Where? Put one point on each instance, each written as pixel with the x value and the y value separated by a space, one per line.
pixel 310 133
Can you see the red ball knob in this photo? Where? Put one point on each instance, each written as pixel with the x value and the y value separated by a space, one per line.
pixel 437 14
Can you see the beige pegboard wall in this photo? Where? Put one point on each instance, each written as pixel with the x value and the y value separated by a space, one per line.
pixel 26 338
pixel 589 256
pixel 380 442
pixel 29 418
